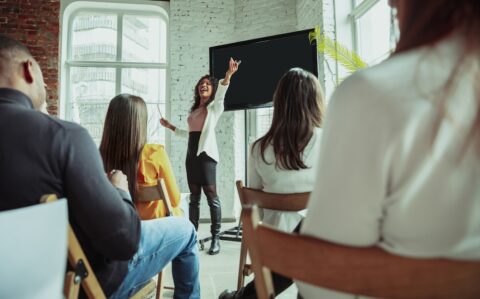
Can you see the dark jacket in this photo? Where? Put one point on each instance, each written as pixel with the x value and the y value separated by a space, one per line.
pixel 40 155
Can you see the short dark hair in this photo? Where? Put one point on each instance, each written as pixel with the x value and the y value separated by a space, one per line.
pixel 9 44
pixel 9 49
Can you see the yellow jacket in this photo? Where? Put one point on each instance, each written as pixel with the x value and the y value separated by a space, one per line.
pixel 153 165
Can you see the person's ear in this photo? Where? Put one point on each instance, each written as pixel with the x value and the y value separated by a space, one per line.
pixel 28 71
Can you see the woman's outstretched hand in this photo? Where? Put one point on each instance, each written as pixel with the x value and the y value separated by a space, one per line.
pixel 232 69
pixel 166 124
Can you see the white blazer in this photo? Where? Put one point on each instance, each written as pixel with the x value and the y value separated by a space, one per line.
pixel 208 140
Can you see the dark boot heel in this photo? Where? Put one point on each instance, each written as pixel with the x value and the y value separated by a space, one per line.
pixel 214 245
pixel 216 218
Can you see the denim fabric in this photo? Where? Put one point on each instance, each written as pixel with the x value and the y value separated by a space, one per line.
pixel 163 240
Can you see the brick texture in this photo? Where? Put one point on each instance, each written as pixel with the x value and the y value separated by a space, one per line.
pixel 194 27
pixel 36 24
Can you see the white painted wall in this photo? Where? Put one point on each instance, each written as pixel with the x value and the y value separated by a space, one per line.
pixel 194 27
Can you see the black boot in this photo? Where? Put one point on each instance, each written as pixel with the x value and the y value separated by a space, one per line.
pixel 216 218
pixel 194 210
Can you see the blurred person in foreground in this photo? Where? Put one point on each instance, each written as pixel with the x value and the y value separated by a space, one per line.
pixel 400 153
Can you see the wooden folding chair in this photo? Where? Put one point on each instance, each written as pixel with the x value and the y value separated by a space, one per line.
pixel 362 271
pixel 293 202
pixel 151 193
pixel 82 272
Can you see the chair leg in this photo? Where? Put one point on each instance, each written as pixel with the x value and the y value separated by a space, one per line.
pixel 241 266
pixel 71 288
pixel 159 286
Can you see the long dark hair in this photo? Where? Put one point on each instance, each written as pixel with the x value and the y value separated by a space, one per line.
pixel 196 97
pixel 424 23
pixel 124 135
pixel 298 109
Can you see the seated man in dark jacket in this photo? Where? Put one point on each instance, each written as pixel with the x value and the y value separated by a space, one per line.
pixel 43 155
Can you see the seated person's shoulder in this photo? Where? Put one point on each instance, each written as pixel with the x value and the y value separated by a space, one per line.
pixel 54 126
pixel 153 151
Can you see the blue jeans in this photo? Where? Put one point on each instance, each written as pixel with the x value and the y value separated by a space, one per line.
pixel 163 240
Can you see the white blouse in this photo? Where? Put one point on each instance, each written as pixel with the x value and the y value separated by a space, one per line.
pixel 208 141
pixel 388 178
pixel 269 178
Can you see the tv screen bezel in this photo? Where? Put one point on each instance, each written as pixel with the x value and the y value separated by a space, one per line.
pixel 237 107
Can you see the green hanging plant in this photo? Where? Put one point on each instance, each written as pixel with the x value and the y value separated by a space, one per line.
pixel 338 52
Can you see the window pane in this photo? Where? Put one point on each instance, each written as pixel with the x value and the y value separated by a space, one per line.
pixel 91 91
pixel 373 31
pixel 144 39
pixel 94 37
pixel 150 85
pixel 263 121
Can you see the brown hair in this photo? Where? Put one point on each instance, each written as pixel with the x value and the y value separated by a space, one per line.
pixel 124 135
pixel 426 22
pixel 298 109
pixel 196 97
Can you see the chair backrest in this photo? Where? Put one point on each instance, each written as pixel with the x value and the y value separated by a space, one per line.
pixel 82 271
pixel 33 251
pixel 274 201
pixel 362 271
pixel 159 191
pixel 292 202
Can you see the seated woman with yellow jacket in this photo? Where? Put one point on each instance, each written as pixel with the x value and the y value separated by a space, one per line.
pixel 154 164
pixel 123 147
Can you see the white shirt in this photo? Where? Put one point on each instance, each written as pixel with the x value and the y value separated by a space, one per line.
pixel 269 178
pixel 208 141
pixel 386 178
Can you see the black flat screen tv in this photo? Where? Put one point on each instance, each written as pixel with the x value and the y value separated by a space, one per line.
pixel 263 62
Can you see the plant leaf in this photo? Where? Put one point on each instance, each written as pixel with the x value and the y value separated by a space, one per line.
pixel 347 58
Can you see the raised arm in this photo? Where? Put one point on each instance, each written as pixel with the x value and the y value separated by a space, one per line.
pixel 223 86
pixel 232 69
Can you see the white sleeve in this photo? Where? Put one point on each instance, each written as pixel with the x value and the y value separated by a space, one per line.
pixel 353 168
pixel 218 103
pixel 254 179
pixel 180 132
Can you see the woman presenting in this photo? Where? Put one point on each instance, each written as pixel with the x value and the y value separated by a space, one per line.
pixel 202 152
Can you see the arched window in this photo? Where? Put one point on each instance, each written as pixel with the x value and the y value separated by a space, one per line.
pixel 112 48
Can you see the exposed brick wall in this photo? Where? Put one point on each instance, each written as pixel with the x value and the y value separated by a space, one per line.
pixel 36 24
pixel 259 18
pixel 309 15
pixel 194 27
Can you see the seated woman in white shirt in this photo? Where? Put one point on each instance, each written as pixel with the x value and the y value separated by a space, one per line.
pixel 284 160
pixel 400 152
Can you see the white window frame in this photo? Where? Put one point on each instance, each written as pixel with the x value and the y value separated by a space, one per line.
pixel 71 9
pixel 360 10
pixel 356 13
